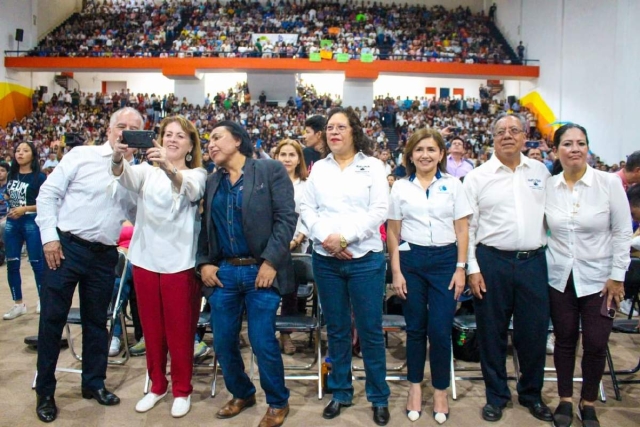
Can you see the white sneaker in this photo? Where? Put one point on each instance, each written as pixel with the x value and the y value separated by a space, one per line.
pixel 551 343
pixel 625 307
pixel 38 308
pixel 149 401
pixel 16 311
pixel 181 406
pixel 114 348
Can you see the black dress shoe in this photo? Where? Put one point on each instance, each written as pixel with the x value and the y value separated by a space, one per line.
pixel 492 412
pixel 46 408
pixel 103 396
pixel 539 410
pixel 332 410
pixel 381 415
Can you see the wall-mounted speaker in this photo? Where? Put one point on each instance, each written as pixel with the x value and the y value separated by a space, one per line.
pixel 19 34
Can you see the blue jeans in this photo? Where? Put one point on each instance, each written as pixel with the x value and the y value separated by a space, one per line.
pixel 227 306
pixel 428 310
pixel 124 295
pixel 17 232
pixel 356 285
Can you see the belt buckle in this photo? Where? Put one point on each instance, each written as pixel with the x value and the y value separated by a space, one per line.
pixel 523 254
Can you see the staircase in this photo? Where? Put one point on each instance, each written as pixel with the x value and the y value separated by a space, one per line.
pixel 497 35
pixel 392 137
pixel 62 81
pixel 185 16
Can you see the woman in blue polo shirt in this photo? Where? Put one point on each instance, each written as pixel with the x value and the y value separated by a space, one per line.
pixel 427 237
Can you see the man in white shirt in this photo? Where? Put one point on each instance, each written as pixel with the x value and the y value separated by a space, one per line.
pixel 80 216
pixel 507 267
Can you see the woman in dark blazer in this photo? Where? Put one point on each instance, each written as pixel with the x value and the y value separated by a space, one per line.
pixel 244 261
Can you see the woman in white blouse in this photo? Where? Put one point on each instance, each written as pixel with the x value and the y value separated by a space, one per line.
pixel 428 212
pixel 163 253
pixel 345 201
pixel 590 223
pixel 289 153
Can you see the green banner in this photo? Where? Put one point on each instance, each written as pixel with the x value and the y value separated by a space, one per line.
pixel 315 57
pixel 342 57
pixel 326 42
pixel 366 57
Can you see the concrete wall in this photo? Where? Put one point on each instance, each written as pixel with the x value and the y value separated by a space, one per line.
pixel 589 53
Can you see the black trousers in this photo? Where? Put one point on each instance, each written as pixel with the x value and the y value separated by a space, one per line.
pixel 94 273
pixel 519 288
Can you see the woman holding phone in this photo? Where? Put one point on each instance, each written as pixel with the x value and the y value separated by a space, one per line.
pixel 163 254
pixel 588 254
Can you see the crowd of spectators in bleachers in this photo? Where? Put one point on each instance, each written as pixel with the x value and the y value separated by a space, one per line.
pixel 127 28
pixel 88 115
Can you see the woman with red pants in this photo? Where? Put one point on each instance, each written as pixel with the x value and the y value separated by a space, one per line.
pixel 163 251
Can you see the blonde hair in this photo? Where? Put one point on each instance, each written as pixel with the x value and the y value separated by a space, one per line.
pixel 301 169
pixel 190 129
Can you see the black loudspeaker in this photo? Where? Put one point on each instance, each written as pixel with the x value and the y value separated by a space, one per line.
pixel 19 34
pixel 44 89
pixel 511 99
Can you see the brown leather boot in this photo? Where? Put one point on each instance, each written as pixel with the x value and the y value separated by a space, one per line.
pixel 274 417
pixel 235 406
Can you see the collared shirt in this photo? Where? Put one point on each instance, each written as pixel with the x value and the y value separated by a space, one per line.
pixel 590 231
pixel 226 213
pixel 458 169
pixel 623 178
pixel 76 198
pixel 166 227
pixel 352 202
pixel 508 206
pixel 427 215
pixel 298 191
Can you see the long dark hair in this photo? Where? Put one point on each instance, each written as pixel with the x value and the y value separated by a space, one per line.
pixel 361 141
pixel 557 137
pixel 35 161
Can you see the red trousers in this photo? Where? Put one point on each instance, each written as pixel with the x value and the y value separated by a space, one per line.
pixel 169 306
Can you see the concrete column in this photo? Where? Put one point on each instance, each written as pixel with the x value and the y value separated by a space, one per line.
pixel 357 92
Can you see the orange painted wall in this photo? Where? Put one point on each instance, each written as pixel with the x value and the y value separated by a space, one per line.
pixel 187 67
pixel 14 103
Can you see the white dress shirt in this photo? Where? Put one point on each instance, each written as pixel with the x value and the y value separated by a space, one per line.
pixel 427 215
pixel 164 238
pixel 298 192
pixel 352 202
pixel 508 206
pixel 590 231
pixel 75 198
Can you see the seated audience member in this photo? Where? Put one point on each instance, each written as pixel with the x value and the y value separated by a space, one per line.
pixel 429 267
pixel 22 189
pixel 163 249
pixel 588 255
pixel 289 153
pixel 244 261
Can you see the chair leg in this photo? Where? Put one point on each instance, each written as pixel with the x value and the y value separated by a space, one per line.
pixel 252 364
pixel 614 378
pixel 70 340
pixel 146 383
pixel 215 375
pixel 603 395
pixel 319 350
pixel 454 394
pixel 35 377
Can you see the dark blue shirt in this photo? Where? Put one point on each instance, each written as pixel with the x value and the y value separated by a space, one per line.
pixel 226 213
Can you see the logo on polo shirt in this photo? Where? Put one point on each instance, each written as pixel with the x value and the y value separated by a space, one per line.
pixel 535 184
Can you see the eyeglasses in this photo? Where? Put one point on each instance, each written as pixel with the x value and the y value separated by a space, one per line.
pixel 513 131
pixel 339 128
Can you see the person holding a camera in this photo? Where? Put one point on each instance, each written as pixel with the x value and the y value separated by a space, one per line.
pixel 588 216
pixel 163 252
pixel 79 223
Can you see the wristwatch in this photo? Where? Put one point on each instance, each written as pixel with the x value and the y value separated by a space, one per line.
pixel 343 242
pixel 462 265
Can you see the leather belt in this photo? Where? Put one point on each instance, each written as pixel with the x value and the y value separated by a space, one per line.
pixel 92 246
pixel 239 262
pixel 520 255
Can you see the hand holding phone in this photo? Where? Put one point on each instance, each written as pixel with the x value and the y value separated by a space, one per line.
pixel 606 310
pixel 141 139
